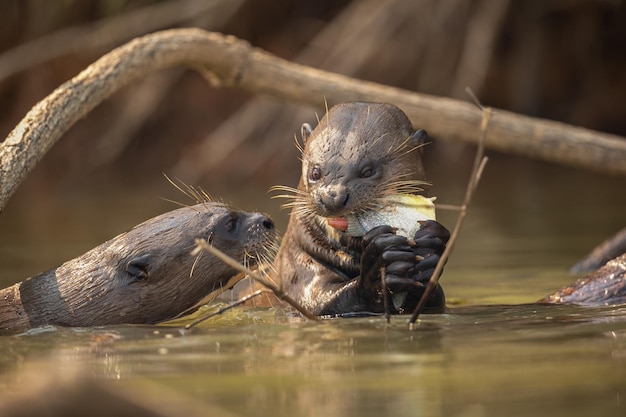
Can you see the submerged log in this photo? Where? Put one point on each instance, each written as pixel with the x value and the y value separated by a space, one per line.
pixel 606 286
pixel 601 254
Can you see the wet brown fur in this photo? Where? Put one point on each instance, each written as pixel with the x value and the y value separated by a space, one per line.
pixel 319 266
pixel 145 275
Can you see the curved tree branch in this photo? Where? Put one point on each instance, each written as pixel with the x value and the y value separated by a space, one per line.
pixel 228 61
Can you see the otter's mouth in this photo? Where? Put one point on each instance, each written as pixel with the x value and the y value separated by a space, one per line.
pixel 338 223
pixel 401 211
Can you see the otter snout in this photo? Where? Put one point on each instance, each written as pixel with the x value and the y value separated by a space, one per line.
pixel 262 221
pixel 333 200
pixel 260 230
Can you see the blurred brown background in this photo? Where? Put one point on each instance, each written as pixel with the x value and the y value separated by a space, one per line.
pixel 557 59
pixel 563 60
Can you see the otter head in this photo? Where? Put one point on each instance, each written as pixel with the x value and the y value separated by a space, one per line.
pixel 149 274
pixel 359 152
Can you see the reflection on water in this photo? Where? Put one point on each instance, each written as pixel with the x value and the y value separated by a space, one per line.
pixel 490 360
pixel 493 354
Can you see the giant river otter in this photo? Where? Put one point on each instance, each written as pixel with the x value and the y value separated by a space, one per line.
pixel 145 275
pixel 358 152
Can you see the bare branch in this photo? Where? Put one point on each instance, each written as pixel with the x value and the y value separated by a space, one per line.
pixel 224 309
pixel 203 245
pixel 479 164
pixel 228 61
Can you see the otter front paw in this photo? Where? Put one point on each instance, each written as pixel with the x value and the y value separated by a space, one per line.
pixel 428 245
pixel 382 248
pixel 408 263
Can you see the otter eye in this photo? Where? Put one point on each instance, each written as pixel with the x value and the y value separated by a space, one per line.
pixel 316 174
pixel 367 172
pixel 231 224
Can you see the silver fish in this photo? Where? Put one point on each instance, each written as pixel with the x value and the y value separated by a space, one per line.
pixel 402 211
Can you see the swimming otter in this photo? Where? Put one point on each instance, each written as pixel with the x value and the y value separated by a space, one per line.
pixel 357 153
pixel 145 275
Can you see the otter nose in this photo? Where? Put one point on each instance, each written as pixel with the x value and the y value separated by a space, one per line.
pixel 335 199
pixel 267 222
pixel 261 220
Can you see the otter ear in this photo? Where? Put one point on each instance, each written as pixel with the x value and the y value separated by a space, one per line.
pixel 139 267
pixel 305 131
pixel 419 137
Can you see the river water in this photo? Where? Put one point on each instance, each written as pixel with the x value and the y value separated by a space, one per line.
pixel 494 353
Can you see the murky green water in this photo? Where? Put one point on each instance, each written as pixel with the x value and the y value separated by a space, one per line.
pixel 493 354
pixel 497 360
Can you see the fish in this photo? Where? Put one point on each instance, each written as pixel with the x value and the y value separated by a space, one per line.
pixel 400 211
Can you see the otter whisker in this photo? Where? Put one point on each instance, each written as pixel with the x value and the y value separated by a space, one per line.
pixel 379 138
pixel 197 194
pixel 287 189
pixel 299 146
pixel 394 149
pixel 297 208
pixel 376 121
pixel 403 149
pixel 193 266
pixel 266 266
pixel 288 196
pixel 370 206
pixel 292 199
pixel 178 203
pixel 398 181
pixel 414 148
pixel 302 209
pixel 296 196
pixel 293 202
pixel 400 187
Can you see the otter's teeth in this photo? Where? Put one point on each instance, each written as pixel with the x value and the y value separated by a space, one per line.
pixel 356 227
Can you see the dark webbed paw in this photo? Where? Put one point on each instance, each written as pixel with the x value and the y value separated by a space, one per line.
pixel 382 248
pixel 408 263
pixel 429 243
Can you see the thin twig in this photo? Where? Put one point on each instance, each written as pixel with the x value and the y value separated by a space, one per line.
pixel 203 245
pixel 224 309
pixel 479 164
pixel 386 295
pixel 449 207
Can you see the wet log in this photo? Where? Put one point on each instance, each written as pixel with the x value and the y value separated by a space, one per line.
pixel 230 62
pixel 606 286
pixel 601 254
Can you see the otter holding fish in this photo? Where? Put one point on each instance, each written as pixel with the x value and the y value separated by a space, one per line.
pixel 145 275
pixel 357 210
pixel 361 160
